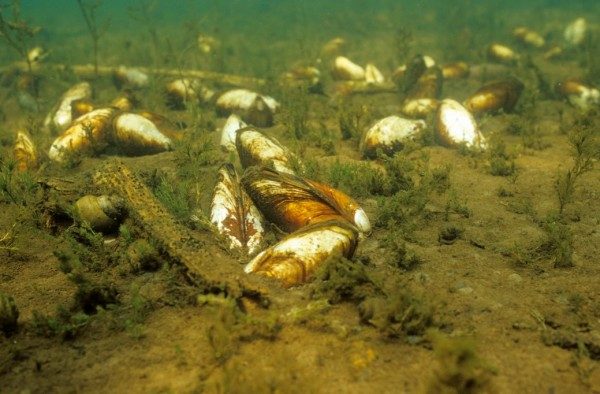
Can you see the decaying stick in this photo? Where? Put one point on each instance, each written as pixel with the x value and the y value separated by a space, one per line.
pixel 199 253
pixel 87 71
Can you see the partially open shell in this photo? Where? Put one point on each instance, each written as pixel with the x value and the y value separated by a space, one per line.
pixel 87 133
pixel 455 126
pixel 136 135
pixel 61 115
pixel 292 202
pixel 25 153
pixel 256 149
pixel 234 214
pixel 295 258
pixel 495 96
pixel 254 108
pixel 228 134
pixel 389 135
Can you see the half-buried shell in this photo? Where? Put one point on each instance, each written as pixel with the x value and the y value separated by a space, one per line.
pixel 60 117
pixel 136 135
pixel 389 135
pixel 25 153
pixel 495 96
pixel 295 258
pixel 254 108
pixel 455 126
pixel 229 132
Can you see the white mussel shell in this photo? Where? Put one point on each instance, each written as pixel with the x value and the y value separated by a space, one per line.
pixel 578 93
pixel 294 259
pixel 389 135
pixel 455 126
pixel 255 148
pixel 232 125
pixel 576 32
pixel 60 117
pixel 233 213
pixel 345 70
pixel 254 108
pixel 502 53
pixel 138 135
pixel 88 132
pixel 132 77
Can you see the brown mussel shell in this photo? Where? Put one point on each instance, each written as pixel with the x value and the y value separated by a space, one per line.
pixel 25 153
pixel 292 202
pixel 495 96
pixel 256 149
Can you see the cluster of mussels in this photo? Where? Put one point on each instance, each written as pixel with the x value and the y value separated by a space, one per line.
pixel 320 220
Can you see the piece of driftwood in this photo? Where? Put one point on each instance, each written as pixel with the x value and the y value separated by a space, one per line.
pixel 87 71
pixel 206 261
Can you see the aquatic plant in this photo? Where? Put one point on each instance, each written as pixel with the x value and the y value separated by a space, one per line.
pixel 585 150
pixel 16 33
pixel 88 11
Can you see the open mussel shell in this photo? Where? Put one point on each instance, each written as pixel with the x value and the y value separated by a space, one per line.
pixel 256 149
pixel 292 202
pixel 61 115
pixel 254 108
pixel 495 96
pixel 389 135
pixel 134 134
pixel 455 126
pixel 87 133
pixel 234 214
pixel 102 213
pixel 130 77
pixel 228 134
pixel 295 258
pixel 578 93
pixel 25 153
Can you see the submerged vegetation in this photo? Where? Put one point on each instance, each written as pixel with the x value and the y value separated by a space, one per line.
pixel 459 234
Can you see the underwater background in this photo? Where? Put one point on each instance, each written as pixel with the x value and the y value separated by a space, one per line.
pixel 475 267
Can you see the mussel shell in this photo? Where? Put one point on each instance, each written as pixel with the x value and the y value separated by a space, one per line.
pixel 495 96
pixel 455 70
pixel 292 202
pixel 61 115
pixel 419 107
pixel 184 90
pixel 389 135
pixel 102 213
pixel 455 126
pixel 529 37
pixel 578 93
pixel 576 32
pixel 130 77
pixel 25 153
pixel 256 149
pixel 502 53
pixel 373 75
pixel 81 107
pixel 137 135
pixel 295 258
pixel 229 132
pixel 346 70
pixel 234 214
pixel 87 133
pixel 254 108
